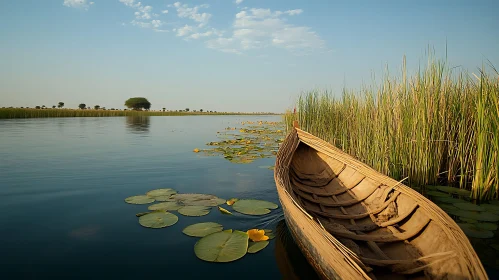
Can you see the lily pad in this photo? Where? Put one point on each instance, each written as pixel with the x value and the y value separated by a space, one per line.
pixel 194 210
pixel 161 192
pixel 224 246
pixel 139 199
pixel 202 229
pixel 169 205
pixel 253 206
pixel 491 207
pixel 207 202
pixel 472 231
pixel 447 207
pixel 232 201
pixel 431 188
pixel 448 199
pixel 479 216
pixel 164 198
pixel 197 199
pixel 486 226
pixel 271 235
pixel 255 247
pixel 467 220
pixel 141 214
pixel 469 206
pixel 453 190
pixel 158 220
pixel 267 230
pixel 437 193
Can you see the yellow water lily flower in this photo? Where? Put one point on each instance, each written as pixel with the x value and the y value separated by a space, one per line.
pixel 232 201
pixel 257 235
pixel 196 150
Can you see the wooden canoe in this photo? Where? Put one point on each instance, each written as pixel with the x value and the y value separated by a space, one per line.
pixel 352 222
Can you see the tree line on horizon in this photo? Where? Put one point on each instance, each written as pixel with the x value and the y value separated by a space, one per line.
pixel 134 103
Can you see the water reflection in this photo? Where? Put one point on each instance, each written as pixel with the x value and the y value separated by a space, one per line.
pixel 290 260
pixel 138 124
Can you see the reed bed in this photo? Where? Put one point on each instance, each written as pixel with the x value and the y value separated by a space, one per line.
pixel 436 127
pixel 14 113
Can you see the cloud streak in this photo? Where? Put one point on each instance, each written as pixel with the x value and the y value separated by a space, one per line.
pixel 82 4
pixel 263 28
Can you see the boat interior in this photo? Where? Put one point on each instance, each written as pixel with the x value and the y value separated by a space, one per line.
pixel 389 231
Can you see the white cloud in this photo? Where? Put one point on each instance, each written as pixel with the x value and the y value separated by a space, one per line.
pixel 238 2
pixel 208 33
pixel 184 11
pixel 262 28
pixel 164 12
pixel 183 31
pixel 83 4
pixel 294 12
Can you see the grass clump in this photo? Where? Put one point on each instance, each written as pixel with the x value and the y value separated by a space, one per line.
pixel 434 127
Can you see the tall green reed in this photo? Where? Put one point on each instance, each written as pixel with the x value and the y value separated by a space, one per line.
pixel 435 127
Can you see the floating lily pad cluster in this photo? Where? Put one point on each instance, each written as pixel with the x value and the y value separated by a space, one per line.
pixel 188 204
pixel 477 221
pixel 218 245
pixel 258 140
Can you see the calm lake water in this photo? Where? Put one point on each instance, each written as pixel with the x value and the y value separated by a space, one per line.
pixel 63 182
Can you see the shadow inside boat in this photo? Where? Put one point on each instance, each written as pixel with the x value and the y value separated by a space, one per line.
pixel 290 260
pixel 383 229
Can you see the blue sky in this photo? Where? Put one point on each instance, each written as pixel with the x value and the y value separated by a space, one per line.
pixel 225 55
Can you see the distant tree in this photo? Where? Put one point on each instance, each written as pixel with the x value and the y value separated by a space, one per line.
pixel 112 109
pixel 187 109
pixel 88 108
pixel 60 105
pixel 201 110
pixel 37 107
pixel 96 107
pixel 194 111
pixel 164 109
pixel 82 106
pixel 138 103
pixel 53 106
pixel 43 106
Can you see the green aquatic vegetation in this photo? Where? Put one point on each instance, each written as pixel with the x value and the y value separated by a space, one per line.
pixel 469 206
pixel 453 190
pixel 169 205
pixel 161 192
pixel 447 207
pixel 439 124
pixel 139 199
pixel 479 216
pixel 486 226
pixel 472 231
pixel 437 193
pixel 446 199
pixel 224 246
pixel 158 219
pixel 246 147
pixel 253 206
pixel 202 229
pixel 255 247
pixel 467 220
pixel 194 210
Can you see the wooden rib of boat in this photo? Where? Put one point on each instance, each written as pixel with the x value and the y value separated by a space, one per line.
pixel 352 222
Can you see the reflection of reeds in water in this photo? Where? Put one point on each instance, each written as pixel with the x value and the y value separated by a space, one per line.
pixel 138 124
pixel 290 260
